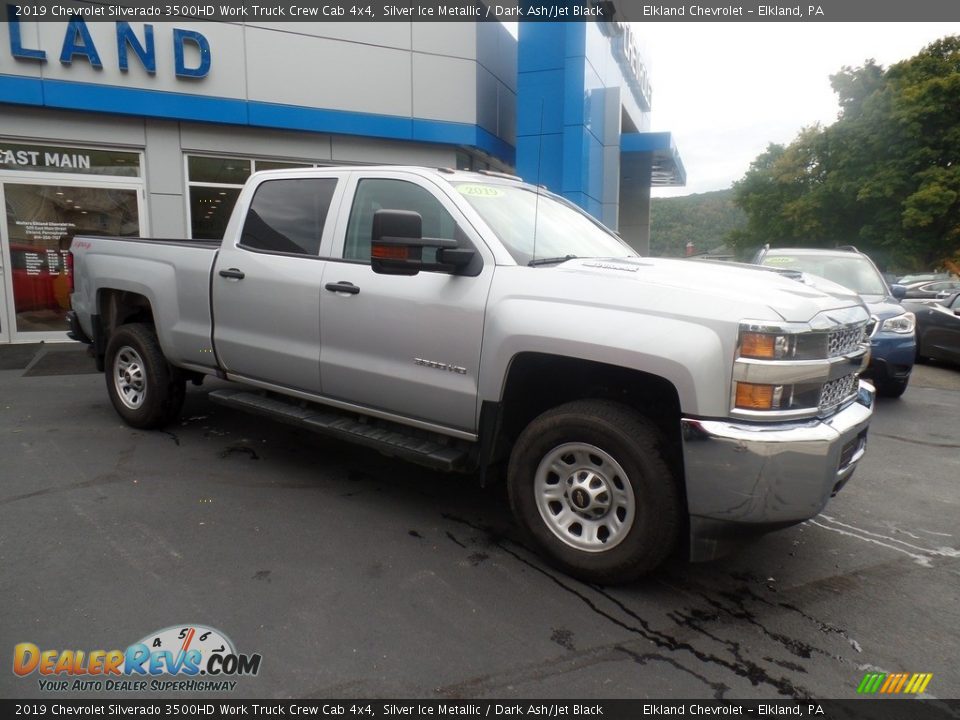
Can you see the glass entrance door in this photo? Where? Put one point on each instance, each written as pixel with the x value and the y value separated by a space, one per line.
pixel 42 218
pixel 4 332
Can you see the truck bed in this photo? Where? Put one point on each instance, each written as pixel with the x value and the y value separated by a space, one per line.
pixel 173 273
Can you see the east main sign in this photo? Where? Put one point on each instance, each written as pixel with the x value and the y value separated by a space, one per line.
pixel 78 44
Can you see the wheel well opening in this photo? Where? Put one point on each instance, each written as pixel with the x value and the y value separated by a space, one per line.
pixel 116 308
pixel 537 382
pixel 120 307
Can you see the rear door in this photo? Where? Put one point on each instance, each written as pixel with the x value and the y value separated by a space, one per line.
pixel 403 345
pixel 266 284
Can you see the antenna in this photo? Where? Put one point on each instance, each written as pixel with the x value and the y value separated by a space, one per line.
pixel 536 205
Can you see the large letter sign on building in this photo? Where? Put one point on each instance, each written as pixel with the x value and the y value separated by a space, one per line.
pixel 78 43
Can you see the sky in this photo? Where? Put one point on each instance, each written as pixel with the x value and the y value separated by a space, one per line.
pixel 727 90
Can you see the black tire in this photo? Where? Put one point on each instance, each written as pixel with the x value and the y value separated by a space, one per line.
pixel 630 441
pixel 161 386
pixel 891 388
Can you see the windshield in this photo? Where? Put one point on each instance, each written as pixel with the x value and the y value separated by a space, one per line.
pixel 513 212
pixel 854 271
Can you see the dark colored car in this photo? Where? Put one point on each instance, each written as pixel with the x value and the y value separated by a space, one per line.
pixel 938 328
pixel 893 345
pixel 922 277
pixel 932 290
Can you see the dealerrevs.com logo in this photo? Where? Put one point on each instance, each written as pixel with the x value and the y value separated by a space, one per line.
pixel 177 658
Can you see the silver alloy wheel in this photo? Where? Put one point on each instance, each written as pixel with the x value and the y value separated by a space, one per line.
pixel 584 497
pixel 129 377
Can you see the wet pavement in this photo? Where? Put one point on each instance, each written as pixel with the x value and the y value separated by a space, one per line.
pixel 354 575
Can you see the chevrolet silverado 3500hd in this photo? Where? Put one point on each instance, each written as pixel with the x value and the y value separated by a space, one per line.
pixel 474 323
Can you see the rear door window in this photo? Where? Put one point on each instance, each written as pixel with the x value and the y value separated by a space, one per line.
pixel 287 216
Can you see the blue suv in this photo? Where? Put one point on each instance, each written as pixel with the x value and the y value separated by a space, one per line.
pixel 893 342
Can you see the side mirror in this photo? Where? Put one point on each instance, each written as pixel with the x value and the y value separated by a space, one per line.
pixel 397 245
pixel 456 258
pixel 898 291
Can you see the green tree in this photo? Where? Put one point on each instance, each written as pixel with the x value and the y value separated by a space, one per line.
pixel 885 176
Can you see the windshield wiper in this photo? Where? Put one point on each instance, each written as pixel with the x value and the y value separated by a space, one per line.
pixel 550 261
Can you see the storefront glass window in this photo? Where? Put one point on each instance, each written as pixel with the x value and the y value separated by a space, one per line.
pixel 41 223
pixel 223 171
pixel 215 184
pixel 210 209
pixel 273 165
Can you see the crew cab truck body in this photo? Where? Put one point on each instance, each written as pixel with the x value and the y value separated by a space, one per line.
pixel 474 323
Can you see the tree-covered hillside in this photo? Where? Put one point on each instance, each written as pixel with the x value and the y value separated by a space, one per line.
pixel 704 219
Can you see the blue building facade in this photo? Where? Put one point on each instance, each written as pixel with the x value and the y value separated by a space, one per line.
pixel 583 117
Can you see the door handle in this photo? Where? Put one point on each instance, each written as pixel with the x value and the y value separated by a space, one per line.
pixel 232 273
pixel 344 287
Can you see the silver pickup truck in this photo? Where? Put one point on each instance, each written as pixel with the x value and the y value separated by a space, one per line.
pixel 473 323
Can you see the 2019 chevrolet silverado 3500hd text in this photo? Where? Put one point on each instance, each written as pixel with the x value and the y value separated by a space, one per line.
pixel 473 323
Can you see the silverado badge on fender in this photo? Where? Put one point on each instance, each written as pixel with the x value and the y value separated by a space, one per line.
pixel 440 366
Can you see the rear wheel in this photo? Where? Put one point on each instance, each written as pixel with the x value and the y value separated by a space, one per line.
pixel 589 487
pixel 146 391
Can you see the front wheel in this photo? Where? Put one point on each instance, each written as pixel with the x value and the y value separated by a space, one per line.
pixel 146 391
pixel 589 487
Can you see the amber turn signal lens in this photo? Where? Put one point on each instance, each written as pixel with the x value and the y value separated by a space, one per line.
pixel 758 345
pixel 389 252
pixel 754 397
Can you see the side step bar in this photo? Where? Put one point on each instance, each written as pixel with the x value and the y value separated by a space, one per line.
pixel 343 427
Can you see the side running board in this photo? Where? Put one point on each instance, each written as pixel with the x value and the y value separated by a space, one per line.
pixel 393 442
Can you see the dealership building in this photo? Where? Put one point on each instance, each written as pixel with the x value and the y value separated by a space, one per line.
pixel 151 129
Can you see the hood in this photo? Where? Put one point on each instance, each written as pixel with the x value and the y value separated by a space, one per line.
pixel 715 288
pixel 883 307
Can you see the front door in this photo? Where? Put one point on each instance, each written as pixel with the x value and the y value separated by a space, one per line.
pixel 408 346
pixel 42 218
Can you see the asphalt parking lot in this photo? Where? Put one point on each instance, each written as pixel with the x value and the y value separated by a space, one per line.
pixel 356 576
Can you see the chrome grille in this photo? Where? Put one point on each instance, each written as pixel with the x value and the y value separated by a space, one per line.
pixel 845 340
pixel 837 391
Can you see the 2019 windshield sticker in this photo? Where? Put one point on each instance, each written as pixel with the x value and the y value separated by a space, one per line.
pixel 480 191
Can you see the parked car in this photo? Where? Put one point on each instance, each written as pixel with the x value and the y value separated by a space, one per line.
pixel 922 277
pixel 893 341
pixel 938 328
pixel 931 290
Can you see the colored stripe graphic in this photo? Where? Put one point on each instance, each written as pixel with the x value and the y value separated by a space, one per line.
pixel 894 683
pixel 865 683
pixel 918 683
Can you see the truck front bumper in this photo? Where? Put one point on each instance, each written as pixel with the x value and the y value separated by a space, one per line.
pixel 745 479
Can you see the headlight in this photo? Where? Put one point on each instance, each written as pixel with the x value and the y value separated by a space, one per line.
pixel 766 346
pixel 902 324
